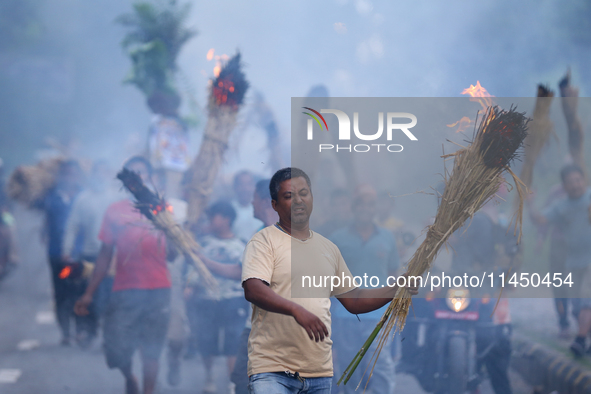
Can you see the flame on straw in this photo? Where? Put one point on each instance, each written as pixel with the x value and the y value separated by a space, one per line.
pixel 229 86
pixel 65 272
pixel 477 94
pixel 219 60
pixel 463 123
pixel 480 95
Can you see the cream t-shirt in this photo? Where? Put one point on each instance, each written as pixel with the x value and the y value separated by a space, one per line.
pixel 277 343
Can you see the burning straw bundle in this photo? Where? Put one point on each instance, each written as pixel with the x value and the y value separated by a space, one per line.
pixel 476 177
pixel 157 211
pixel 540 130
pixel 570 101
pixel 225 98
pixel 30 184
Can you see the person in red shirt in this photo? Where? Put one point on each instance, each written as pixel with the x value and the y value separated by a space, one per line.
pixel 139 308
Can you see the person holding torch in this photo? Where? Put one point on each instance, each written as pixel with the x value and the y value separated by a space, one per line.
pixel 289 347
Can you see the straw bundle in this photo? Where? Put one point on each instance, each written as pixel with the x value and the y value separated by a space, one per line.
pixel 570 101
pixel 158 212
pixel 540 130
pixel 30 184
pixel 476 177
pixel 225 98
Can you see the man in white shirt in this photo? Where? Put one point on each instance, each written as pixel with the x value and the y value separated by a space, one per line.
pixel 289 347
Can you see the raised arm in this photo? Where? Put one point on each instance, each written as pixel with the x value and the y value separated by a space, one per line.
pixel 259 293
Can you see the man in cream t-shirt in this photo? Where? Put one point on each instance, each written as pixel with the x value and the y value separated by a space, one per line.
pixel 289 348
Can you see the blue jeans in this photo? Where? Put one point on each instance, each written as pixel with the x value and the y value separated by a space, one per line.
pixel 287 383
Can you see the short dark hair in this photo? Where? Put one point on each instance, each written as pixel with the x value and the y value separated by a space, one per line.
pixel 239 175
pixel 283 175
pixel 139 159
pixel 568 169
pixel 223 208
pixel 262 187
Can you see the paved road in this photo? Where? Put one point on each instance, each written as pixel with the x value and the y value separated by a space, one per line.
pixel 31 360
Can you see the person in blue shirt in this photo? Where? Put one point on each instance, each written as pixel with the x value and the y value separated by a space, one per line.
pixel 571 214
pixel 368 250
pixel 57 206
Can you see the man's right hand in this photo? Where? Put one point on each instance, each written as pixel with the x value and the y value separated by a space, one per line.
pixel 81 306
pixel 312 324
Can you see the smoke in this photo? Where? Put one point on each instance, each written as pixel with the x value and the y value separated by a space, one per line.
pixel 62 76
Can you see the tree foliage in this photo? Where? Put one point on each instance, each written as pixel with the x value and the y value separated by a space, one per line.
pixel 156 33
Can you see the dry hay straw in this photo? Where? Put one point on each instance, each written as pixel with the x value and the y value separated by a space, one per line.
pixel 153 207
pixel 540 130
pixel 476 176
pixel 165 222
pixel 30 184
pixel 576 135
pixel 206 165
pixel 226 95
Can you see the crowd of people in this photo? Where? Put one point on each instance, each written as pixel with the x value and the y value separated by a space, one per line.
pixel 116 277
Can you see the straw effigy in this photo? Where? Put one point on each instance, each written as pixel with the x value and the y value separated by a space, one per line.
pixel 30 184
pixel 225 98
pixel 540 130
pixel 476 176
pixel 570 101
pixel 153 207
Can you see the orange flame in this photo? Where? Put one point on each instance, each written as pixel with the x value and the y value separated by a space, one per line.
pixel 210 54
pixel 65 272
pixel 477 94
pixel 480 94
pixel 218 61
pixel 464 123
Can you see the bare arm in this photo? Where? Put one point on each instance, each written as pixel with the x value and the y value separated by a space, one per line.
pixel 257 292
pixel 101 268
pixel 230 271
pixel 368 300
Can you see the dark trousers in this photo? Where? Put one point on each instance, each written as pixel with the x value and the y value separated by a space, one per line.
pixel 557 258
pixel 239 375
pixel 66 292
pixel 494 351
pixel 562 310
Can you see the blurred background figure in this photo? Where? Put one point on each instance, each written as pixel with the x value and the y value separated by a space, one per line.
pixel 83 227
pixel 57 206
pixel 571 215
pixel 245 225
pixel 339 212
pixel 178 328
pixel 216 323
pixel 138 312
pixel 368 250
pixel 8 250
pixel 483 245
pixel 263 210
